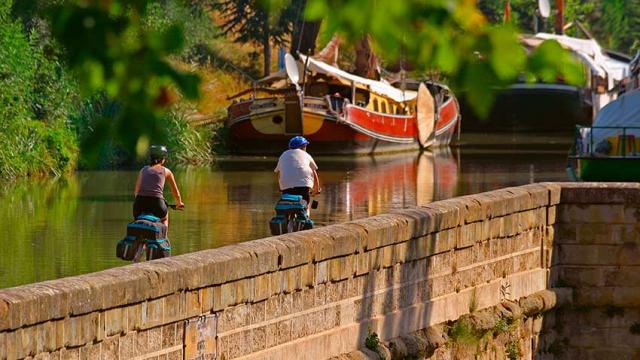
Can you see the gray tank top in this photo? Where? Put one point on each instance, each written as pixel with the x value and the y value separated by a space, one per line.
pixel 152 181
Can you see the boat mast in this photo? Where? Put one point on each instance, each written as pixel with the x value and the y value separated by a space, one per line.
pixel 560 17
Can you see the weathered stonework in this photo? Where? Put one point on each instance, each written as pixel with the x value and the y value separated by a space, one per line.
pixel 316 294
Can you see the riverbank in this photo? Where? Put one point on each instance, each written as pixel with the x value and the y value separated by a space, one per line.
pixel 47 121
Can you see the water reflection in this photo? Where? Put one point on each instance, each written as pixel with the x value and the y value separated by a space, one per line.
pixel 60 228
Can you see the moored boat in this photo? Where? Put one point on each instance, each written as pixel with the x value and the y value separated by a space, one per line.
pixel 556 107
pixel 340 113
pixel 610 149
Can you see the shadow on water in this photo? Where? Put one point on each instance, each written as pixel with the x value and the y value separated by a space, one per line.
pixel 63 228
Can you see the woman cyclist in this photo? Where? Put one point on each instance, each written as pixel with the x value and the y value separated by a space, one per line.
pixel 149 189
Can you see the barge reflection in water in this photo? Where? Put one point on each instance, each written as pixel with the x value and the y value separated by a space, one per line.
pixel 62 228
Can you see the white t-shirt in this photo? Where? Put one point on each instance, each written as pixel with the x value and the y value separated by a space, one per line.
pixel 296 169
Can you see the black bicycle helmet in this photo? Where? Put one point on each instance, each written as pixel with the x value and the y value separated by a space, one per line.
pixel 158 152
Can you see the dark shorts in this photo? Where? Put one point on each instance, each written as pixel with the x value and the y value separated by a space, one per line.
pixel 149 205
pixel 303 191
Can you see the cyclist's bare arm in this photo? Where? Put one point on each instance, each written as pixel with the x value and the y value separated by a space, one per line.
pixel 174 190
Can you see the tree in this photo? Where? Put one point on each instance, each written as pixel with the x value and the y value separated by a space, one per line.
pixel 251 21
pixel 114 55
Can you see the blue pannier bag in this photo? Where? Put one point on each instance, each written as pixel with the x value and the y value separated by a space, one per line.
pixel 158 249
pixel 278 225
pixel 147 227
pixel 126 248
pixel 302 222
pixel 290 203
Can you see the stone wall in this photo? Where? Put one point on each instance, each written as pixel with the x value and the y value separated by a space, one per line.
pixel 598 255
pixel 308 295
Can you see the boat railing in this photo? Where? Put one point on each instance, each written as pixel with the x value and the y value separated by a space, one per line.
pixel 607 141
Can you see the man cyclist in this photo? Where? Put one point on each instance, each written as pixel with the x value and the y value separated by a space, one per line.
pixel 297 172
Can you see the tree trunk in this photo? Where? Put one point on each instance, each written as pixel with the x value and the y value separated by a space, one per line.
pixel 266 45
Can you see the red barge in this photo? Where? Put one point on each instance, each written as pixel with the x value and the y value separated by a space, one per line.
pixel 340 113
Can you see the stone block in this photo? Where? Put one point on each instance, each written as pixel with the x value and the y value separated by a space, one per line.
pixel 447 213
pixel 91 351
pixel 134 317
pixel 70 354
pixel 520 199
pixel 469 234
pixel 26 341
pixel 346 239
pixel 110 348
pixel 381 231
pixel 265 255
pixel 152 312
pixel 322 272
pixel 169 336
pixel 342 268
pixel 627 254
pixel 227 294
pixel 400 253
pixel 293 279
pixel 440 264
pixel 320 294
pixel 600 193
pixel 127 346
pixel 142 342
pixel 206 298
pixel 551 215
pixel 538 193
pixel 258 339
pixel 115 321
pixel 300 247
pixel 81 330
pixel 262 287
pixel 420 220
pixel 245 290
pixel 362 264
pixel 45 338
pixel 591 213
pixel 193 304
pixel 283 329
pixel 463 258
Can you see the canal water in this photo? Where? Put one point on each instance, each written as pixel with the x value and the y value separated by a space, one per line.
pixel 65 227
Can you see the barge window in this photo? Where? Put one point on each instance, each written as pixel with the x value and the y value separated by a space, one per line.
pixel 384 106
pixel 375 105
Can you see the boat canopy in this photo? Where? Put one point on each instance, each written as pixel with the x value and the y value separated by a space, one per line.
pixel 589 52
pixel 379 87
pixel 622 112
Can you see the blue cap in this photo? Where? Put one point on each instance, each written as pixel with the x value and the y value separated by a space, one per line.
pixel 297 142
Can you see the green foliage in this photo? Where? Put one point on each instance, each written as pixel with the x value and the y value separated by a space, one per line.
pixel 113 53
pixel 621 24
pixel 502 326
pixel 188 144
pixel 512 350
pixel 372 341
pixel 451 36
pixel 462 332
pixel 35 100
pixel 192 17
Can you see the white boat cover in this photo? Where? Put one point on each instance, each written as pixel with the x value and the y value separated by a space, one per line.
pixel 591 54
pixel 624 111
pixel 378 87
